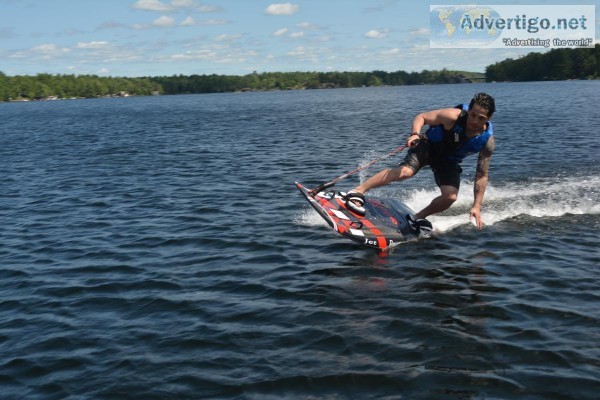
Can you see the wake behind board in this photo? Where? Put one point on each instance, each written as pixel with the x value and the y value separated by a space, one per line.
pixel 383 226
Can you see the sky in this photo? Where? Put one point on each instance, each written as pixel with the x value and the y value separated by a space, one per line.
pixel 234 37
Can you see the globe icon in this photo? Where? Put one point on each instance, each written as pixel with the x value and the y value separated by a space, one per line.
pixel 463 26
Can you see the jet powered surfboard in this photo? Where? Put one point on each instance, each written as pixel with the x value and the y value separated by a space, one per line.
pixel 383 226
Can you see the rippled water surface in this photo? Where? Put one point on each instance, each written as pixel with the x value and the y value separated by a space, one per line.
pixel 157 248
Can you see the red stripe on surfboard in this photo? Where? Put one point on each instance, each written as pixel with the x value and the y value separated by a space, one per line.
pixel 381 240
pixel 343 224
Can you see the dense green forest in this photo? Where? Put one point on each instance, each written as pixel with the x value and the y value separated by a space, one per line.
pixel 557 64
pixel 306 80
pixel 43 86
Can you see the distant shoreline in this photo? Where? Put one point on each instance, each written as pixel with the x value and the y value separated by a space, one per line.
pixel 53 87
pixel 55 98
pixel 120 96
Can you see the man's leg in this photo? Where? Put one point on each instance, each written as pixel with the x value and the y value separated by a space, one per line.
pixel 440 203
pixel 384 177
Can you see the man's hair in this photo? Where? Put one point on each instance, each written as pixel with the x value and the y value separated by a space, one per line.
pixel 484 100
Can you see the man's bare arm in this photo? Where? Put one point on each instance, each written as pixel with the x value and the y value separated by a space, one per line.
pixel 445 116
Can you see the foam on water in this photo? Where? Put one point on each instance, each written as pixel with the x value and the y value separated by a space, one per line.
pixel 538 198
pixel 309 217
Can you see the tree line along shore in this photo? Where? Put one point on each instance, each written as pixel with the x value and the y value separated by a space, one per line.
pixel 557 64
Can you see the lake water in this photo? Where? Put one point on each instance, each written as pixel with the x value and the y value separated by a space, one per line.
pixel 157 248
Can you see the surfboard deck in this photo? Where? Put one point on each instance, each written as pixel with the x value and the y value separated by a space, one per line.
pixel 383 226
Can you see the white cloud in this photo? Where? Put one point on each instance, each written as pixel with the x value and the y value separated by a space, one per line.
pixel 43 48
pixel 227 38
pixel 306 54
pixel 163 21
pixel 106 53
pixel 421 31
pixel 296 35
pixel 117 55
pixel 204 54
pixel 91 45
pixel 49 50
pixel 375 34
pixel 82 53
pixel 182 3
pixel 215 22
pixel 282 9
pixel 307 25
pixel 280 32
pixel 189 21
pixel 152 5
pixel 215 53
pixel 205 8
pixel 298 51
pixel 157 5
pixel 391 52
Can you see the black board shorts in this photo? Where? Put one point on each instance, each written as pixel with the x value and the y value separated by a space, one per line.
pixel 446 173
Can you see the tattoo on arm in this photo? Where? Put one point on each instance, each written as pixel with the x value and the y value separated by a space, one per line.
pixel 485 156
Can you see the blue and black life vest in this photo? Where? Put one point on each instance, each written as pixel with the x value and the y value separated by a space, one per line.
pixel 453 144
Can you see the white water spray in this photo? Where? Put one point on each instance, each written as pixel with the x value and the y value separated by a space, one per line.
pixel 539 198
